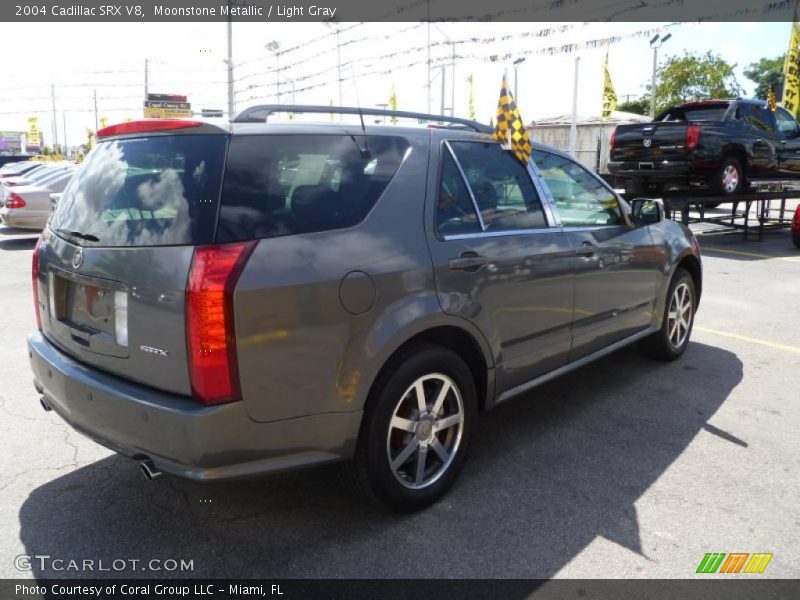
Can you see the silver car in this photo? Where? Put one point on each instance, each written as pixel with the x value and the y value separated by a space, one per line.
pixel 219 302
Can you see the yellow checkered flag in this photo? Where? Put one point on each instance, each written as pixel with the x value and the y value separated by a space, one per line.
pixel 772 102
pixel 509 124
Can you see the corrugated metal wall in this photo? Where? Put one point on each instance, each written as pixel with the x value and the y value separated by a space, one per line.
pixel 586 147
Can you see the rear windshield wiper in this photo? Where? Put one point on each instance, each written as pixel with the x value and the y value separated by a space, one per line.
pixel 81 236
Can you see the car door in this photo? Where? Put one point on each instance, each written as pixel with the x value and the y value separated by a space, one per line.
pixel 498 261
pixel 789 151
pixel 616 268
pixel 759 122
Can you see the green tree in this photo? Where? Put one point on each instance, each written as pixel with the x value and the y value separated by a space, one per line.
pixel 639 107
pixel 694 77
pixel 766 73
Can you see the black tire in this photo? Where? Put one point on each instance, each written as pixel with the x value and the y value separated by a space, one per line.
pixel 661 345
pixel 796 239
pixel 722 181
pixel 370 468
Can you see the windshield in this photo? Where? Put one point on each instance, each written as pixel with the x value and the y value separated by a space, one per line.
pixel 160 190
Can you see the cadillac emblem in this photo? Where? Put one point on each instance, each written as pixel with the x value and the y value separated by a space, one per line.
pixel 647 142
pixel 77 258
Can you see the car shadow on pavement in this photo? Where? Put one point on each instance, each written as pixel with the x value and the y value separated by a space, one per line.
pixel 18 243
pixel 548 474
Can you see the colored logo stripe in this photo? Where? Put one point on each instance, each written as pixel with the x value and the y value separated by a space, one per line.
pixel 713 562
pixel 758 563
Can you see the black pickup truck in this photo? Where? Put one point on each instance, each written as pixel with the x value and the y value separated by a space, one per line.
pixel 719 146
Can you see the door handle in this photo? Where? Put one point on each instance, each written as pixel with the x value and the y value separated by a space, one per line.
pixel 469 261
pixel 586 249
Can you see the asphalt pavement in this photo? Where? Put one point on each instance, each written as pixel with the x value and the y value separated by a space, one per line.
pixel 626 468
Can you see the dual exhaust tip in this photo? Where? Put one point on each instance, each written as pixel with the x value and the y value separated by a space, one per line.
pixel 149 469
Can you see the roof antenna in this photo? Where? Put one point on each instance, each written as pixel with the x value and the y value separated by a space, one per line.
pixel 365 153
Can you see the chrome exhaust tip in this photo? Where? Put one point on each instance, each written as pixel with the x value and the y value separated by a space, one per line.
pixel 150 471
pixel 45 404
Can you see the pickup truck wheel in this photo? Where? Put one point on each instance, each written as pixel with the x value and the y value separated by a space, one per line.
pixel 729 178
pixel 416 429
pixel 669 342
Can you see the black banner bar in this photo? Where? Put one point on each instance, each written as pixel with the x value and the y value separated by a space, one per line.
pixel 713 588
pixel 136 11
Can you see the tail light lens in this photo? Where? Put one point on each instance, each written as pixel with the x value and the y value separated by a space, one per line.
pixel 796 220
pixel 14 201
pixel 692 136
pixel 210 326
pixel 612 141
pixel 35 280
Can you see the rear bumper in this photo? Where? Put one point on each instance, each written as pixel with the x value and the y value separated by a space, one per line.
pixel 23 219
pixel 660 170
pixel 179 436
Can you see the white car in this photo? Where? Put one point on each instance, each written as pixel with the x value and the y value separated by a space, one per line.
pixel 29 206
pixel 39 178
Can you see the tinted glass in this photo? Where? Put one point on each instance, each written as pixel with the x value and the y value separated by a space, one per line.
pixel 712 112
pixel 503 190
pixel 761 117
pixel 455 212
pixel 288 184
pixel 160 190
pixel 581 199
pixel 787 125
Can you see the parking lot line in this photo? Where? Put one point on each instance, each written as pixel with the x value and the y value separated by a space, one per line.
pixel 752 340
pixel 753 254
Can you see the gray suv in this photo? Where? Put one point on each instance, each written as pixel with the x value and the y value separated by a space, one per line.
pixel 227 301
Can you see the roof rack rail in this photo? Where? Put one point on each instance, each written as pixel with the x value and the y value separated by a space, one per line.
pixel 261 112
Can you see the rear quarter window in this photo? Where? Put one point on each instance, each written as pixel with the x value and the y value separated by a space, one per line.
pixel 277 185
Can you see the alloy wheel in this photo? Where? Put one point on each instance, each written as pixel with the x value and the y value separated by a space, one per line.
pixel 730 179
pixel 679 316
pixel 425 431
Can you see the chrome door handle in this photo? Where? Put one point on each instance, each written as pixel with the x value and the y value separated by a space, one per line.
pixel 586 249
pixel 467 262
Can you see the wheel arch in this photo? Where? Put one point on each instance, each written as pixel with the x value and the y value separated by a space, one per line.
pixel 691 263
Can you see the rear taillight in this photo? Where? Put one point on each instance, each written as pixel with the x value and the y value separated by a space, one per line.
pixel 210 326
pixel 796 220
pixel 14 201
pixel 35 280
pixel 612 141
pixel 692 136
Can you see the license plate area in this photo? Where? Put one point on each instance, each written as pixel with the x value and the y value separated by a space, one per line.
pixel 89 313
pixel 646 165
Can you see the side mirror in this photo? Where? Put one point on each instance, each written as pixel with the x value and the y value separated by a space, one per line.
pixel 647 211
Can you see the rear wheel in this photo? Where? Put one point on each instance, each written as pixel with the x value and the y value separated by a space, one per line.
pixel 416 429
pixel 728 180
pixel 669 342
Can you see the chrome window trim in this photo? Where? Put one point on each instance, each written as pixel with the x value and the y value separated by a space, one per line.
pixel 551 222
pixel 466 183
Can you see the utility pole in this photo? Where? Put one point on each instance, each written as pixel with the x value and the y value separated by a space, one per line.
pixel 55 125
pixel 428 3
pixel 95 110
pixel 441 112
pixel 517 63
pixel 231 100
pixel 146 66
pixel 64 120
pixel 573 128
pixel 453 82
pixel 339 65
pixel 655 44
pixel 274 46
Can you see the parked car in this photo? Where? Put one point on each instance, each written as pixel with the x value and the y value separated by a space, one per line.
pixel 717 146
pixel 35 177
pixel 19 169
pixel 29 206
pixel 224 301
pixel 796 227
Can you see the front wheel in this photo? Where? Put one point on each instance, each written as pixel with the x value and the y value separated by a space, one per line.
pixel 669 342
pixel 416 429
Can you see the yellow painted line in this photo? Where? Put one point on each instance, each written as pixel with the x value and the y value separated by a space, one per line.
pixel 753 254
pixel 752 340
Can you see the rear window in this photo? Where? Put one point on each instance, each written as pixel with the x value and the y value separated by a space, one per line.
pixel 288 184
pixel 712 112
pixel 160 190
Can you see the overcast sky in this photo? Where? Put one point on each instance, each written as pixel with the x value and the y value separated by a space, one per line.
pixel 189 59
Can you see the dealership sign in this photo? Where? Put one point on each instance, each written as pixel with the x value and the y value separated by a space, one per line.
pixel 166 106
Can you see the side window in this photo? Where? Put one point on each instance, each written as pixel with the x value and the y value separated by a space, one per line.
pixel 503 190
pixel 455 212
pixel 580 198
pixel 787 126
pixel 289 184
pixel 758 116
